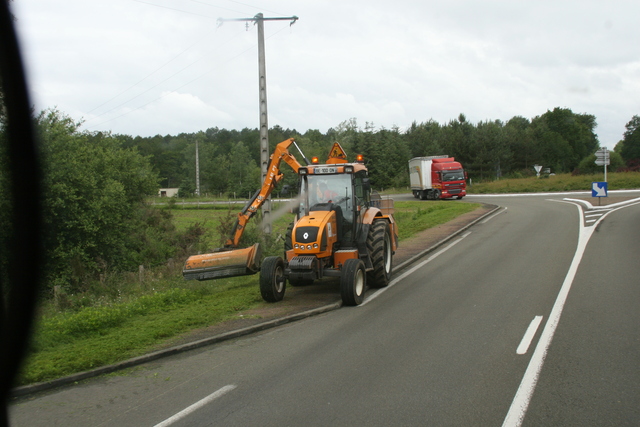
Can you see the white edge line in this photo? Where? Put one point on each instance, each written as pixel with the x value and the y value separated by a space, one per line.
pixel 605 207
pixel 199 404
pixel 493 216
pixel 521 401
pixel 557 193
pixel 412 269
pixel 528 335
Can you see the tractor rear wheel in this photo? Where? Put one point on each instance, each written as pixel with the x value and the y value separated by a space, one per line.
pixel 379 246
pixel 272 280
pixel 352 282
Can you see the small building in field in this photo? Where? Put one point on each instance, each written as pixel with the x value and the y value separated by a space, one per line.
pixel 168 192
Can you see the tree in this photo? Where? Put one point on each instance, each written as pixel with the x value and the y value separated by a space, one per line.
pixel 492 154
pixel 588 164
pixel 242 171
pixel 425 139
pixel 567 138
pixel 631 142
pixel 521 143
pixel 94 215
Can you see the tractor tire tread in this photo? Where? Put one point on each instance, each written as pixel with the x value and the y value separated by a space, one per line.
pixel 378 233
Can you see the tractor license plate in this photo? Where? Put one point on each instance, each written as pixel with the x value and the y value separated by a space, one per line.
pixel 325 170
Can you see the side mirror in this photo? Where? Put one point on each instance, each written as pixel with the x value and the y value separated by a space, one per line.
pixel 366 184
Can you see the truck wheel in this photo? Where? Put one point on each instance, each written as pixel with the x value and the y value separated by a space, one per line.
pixel 272 280
pixel 379 247
pixel 352 282
pixel 424 195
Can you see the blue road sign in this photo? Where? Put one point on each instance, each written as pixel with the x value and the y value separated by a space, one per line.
pixel 599 189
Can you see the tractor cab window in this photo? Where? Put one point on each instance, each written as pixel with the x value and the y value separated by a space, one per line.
pixel 335 189
pixel 362 189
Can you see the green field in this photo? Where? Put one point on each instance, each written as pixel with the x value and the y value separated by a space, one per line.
pixel 101 330
pixel 561 182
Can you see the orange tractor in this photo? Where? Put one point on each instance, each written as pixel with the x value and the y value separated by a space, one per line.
pixel 341 230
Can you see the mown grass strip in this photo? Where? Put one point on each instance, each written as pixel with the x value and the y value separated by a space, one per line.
pixel 110 334
pixel 414 217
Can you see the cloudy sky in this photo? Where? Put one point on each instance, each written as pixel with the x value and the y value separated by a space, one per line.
pixel 147 67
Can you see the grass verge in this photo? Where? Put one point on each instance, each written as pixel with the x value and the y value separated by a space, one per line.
pixel 78 340
pixel 561 182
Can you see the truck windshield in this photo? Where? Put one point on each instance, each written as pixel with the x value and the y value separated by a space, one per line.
pixel 453 175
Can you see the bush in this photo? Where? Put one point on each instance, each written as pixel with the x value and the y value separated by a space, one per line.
pixel 95 217
pixel 588 165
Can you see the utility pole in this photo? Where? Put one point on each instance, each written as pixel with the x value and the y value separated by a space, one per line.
pixel 262 97
pixel 197 171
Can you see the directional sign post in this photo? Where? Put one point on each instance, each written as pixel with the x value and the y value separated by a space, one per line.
pixel 599 189
pixel 602 159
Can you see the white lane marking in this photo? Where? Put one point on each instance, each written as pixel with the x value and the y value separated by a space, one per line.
pixel 224 390
pixel 604 208
pixel 493 216
pixel 594 215
pixel 520 403
pixel 528 335
pixel 412 269
pixel 558 193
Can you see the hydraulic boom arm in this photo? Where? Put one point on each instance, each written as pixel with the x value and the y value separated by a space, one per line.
pixel 274 176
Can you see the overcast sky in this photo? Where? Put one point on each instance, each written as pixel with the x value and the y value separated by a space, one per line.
pixel 147 67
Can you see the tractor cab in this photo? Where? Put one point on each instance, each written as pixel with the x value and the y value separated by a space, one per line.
pixel 336 186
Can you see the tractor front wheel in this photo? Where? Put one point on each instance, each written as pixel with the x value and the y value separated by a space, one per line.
pixel 381 253
pixel 352 282
pixel 272 280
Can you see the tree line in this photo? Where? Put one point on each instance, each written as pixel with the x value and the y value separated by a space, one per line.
pixel 229 160
pixel 95 183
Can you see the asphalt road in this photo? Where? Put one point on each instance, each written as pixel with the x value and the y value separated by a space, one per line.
pixel 530 317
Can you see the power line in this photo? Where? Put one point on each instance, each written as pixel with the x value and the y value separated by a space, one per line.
pixel 146 77
pixel 172 90
pixel 174 9
pixel 161 67
pixel 248 5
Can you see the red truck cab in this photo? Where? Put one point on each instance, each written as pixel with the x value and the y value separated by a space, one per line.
pixel 449 178
pixel 437 177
